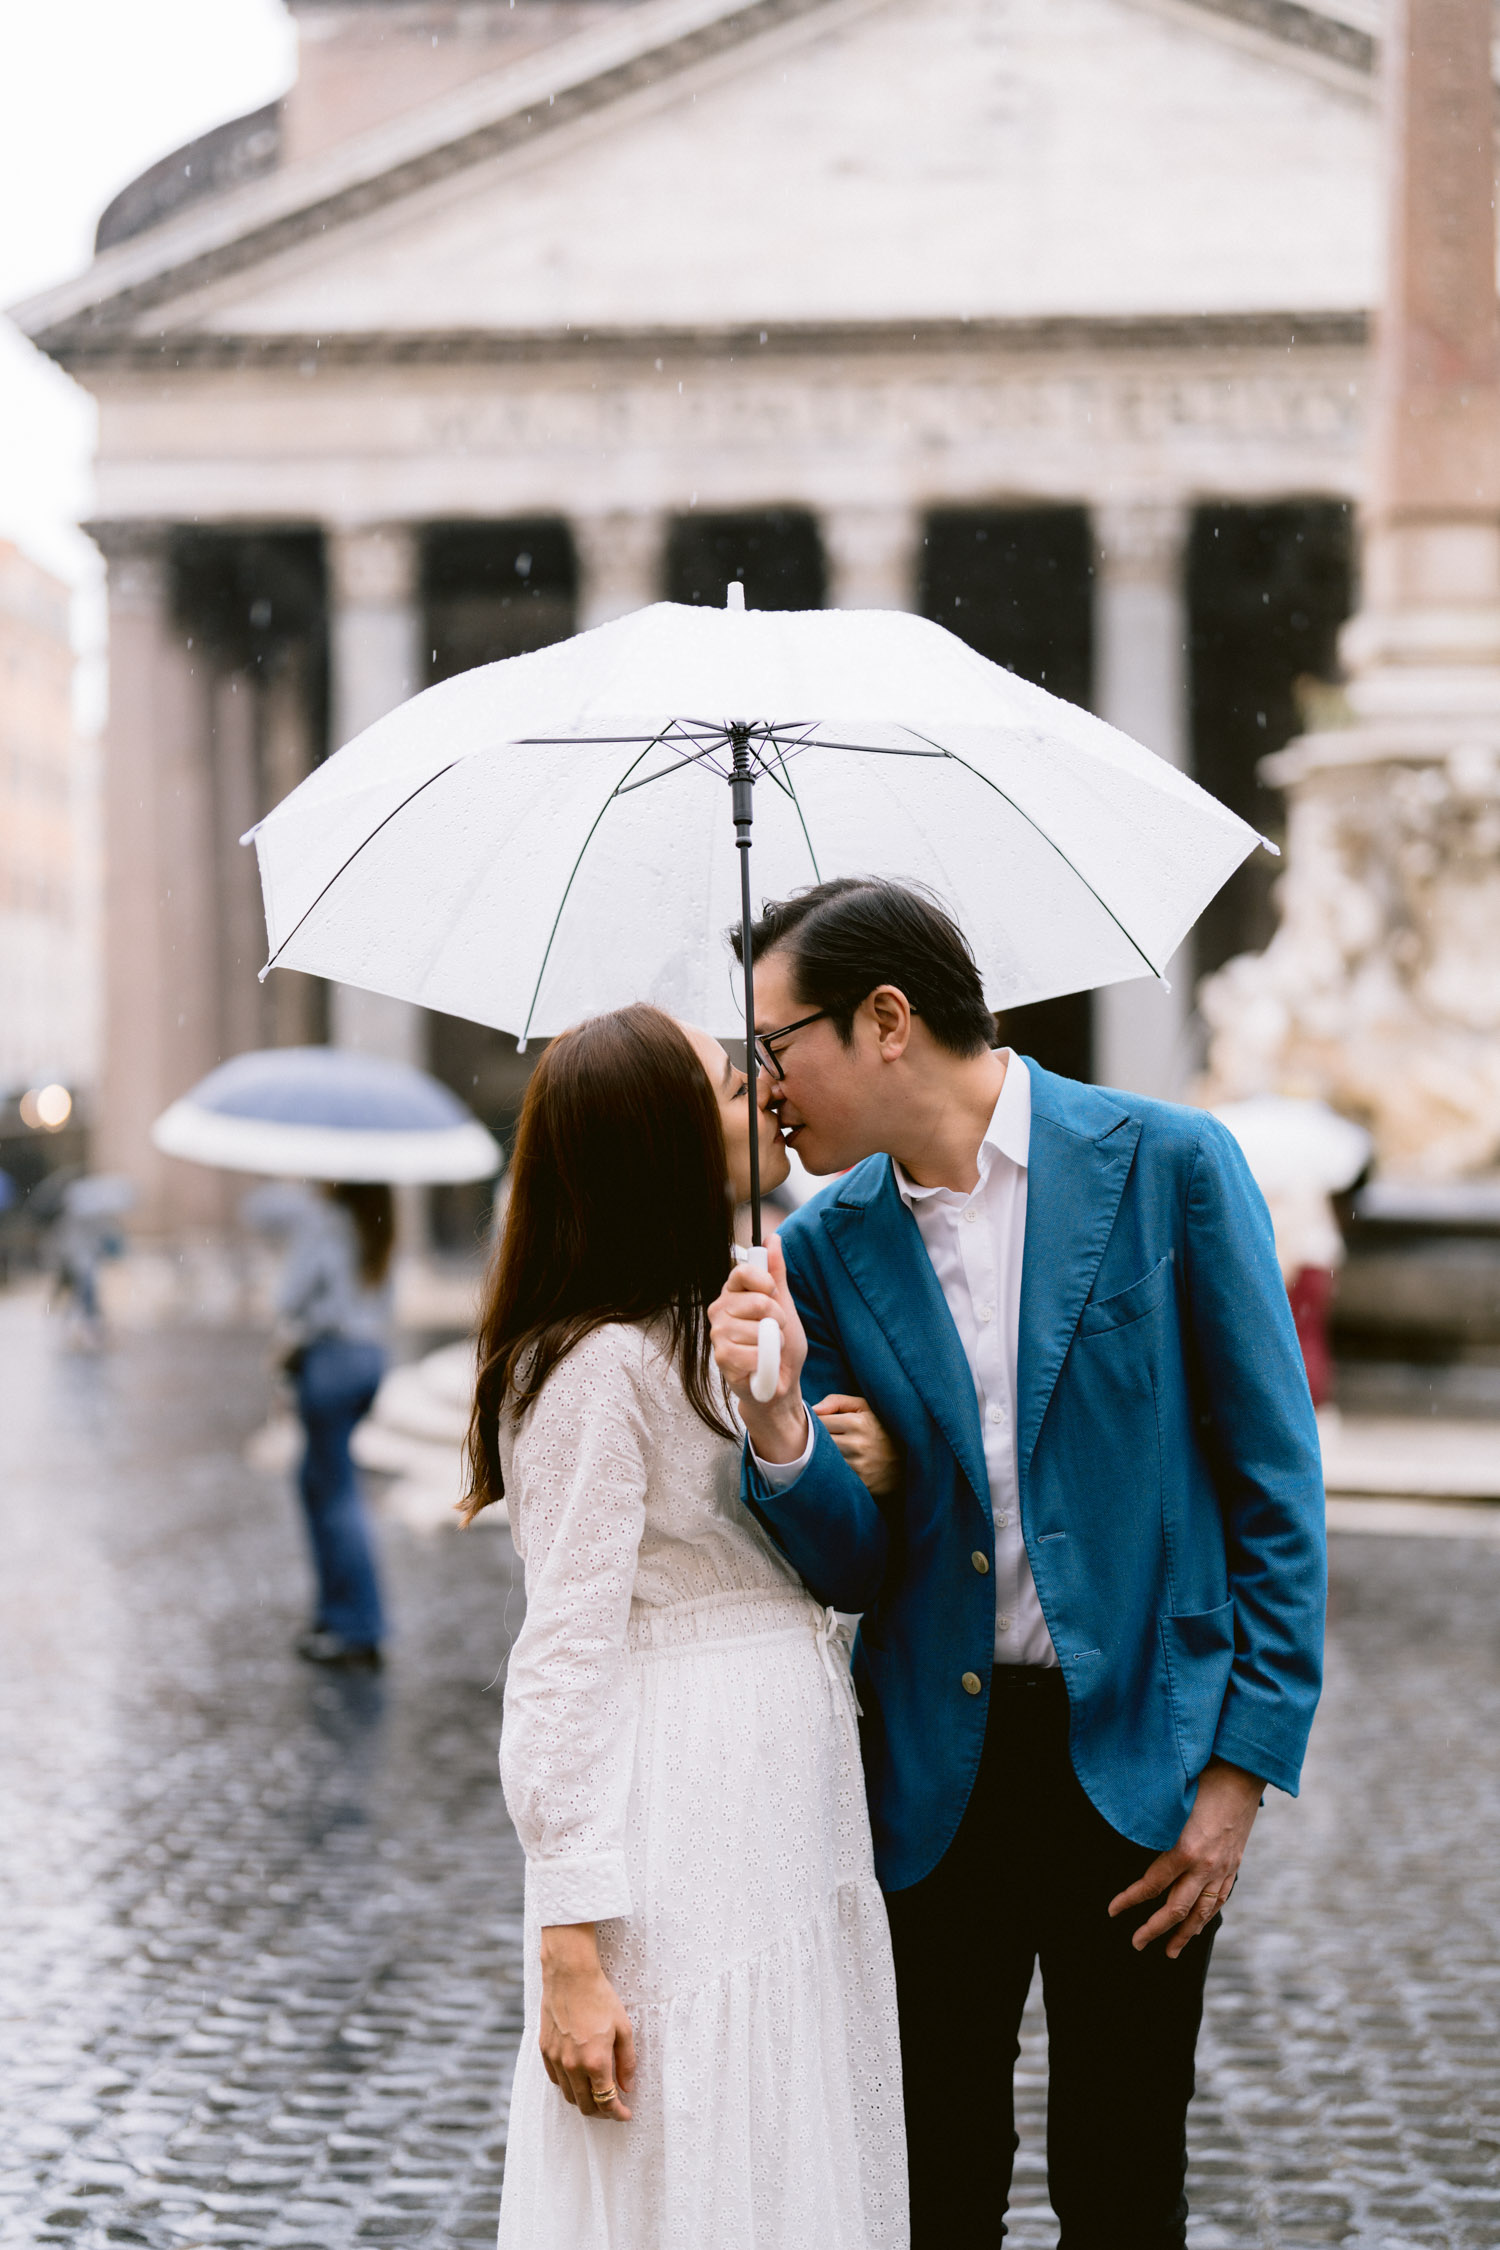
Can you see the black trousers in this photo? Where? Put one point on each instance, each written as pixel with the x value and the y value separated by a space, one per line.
pixel 1029 1877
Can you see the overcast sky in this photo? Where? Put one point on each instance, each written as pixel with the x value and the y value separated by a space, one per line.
pixel 91 92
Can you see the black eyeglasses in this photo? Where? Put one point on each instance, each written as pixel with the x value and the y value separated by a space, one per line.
pixel 766 1041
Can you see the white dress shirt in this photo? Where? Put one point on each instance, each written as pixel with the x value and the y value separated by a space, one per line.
pixel 976 1242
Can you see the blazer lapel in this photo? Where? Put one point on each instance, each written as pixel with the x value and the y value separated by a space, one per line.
pixel 882 1251
pixel 1074 1183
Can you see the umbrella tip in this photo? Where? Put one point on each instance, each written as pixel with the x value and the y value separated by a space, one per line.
pixel 734 594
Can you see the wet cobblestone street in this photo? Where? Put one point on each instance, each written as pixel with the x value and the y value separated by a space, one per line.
pixel 261 1974
pixel 261 1982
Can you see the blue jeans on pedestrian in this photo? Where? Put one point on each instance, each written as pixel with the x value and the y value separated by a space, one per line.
pixel 337 1379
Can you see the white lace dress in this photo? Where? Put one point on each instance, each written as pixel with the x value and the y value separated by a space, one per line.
pixel 680 1760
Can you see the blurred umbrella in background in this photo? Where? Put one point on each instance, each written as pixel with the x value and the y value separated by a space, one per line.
pixel 327 1113
pixel 1302 1154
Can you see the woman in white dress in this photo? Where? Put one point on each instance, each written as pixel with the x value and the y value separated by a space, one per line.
pixel 711 2057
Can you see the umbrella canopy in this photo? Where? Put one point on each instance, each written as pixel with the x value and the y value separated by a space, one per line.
pixel 326 1113
pixel 1292 1146
pixel 548 836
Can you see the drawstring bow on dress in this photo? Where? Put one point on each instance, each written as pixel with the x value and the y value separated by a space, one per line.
pixel 835 1642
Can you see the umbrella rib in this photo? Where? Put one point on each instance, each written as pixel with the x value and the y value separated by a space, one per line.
pixel 395 811
pixel 568 887
pixel 767 735
pixel 791 790
pixel 586 741
pixel 881 750
pixel 1053 845
pixel 687 727
pixel 662 772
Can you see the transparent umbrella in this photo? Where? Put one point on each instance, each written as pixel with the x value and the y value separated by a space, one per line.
pixel 548 836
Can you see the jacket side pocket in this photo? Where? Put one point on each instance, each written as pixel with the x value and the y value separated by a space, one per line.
pixel 1199 1654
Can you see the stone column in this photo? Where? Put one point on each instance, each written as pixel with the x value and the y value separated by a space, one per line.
pixel 159 929
pixel 620 563
pixel 1141 1036
pixel 1379 991
pixel 1428 636
pixel 375 655
pixel 243 1008
pixel 294 1005
pixel 871 555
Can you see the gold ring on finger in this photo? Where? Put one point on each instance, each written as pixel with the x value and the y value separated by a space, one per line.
pixel 603 2093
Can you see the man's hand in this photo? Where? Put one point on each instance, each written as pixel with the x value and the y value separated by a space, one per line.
pixel 588 2048
pixel 1199 1872
pixel 778 1430
pixel 861 1438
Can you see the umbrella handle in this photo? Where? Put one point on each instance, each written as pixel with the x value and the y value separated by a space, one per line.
pixel 767 1335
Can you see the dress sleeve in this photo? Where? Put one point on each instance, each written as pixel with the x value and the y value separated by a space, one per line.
pixel 567 1744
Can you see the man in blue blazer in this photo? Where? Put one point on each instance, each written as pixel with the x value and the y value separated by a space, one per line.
pixel 1088 1550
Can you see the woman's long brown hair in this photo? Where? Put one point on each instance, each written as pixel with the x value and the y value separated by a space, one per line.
pixel 619 1210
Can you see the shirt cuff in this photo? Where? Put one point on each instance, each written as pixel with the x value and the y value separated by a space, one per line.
pixel 592 1889
pixel 779 1474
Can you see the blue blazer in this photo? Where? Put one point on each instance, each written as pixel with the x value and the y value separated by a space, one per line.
pixel 1171 1487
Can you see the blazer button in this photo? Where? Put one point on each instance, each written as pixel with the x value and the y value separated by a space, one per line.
pixel 981 1562
pixel 971 1683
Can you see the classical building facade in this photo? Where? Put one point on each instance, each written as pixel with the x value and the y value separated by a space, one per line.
pixel 1047 317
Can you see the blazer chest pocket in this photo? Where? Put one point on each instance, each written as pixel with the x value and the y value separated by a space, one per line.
pixel 1118 1311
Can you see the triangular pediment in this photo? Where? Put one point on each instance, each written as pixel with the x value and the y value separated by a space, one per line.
pixel 849 161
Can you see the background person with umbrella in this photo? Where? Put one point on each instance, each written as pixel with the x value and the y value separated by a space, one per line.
pixel 85 1232
pixel 1302 1154
pixel 355 1123
pixel 334 1299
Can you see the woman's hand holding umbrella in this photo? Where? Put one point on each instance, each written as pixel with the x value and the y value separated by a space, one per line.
pixel 778 1425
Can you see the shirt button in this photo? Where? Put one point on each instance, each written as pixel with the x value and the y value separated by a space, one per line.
pixel 1003 1623
pixel 1002 1521
pixel 986 1315
pixel 997 1413
pixel 981 1561
pixel 971 1683
pixel 970 1215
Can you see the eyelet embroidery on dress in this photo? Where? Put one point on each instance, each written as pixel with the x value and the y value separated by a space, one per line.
pixel 680 1759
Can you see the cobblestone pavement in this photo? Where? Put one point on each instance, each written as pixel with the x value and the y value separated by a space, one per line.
pixel 261 1980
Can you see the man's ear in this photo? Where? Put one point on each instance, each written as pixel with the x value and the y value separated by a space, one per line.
pixel 890 1012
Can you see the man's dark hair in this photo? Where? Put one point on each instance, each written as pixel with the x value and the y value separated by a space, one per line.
pixel 849 936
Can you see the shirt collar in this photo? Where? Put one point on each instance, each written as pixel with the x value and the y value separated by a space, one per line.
pixel 1008 1133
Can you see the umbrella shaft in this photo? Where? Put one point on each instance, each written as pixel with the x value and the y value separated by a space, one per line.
pixel 742 786
pixel 752 1073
